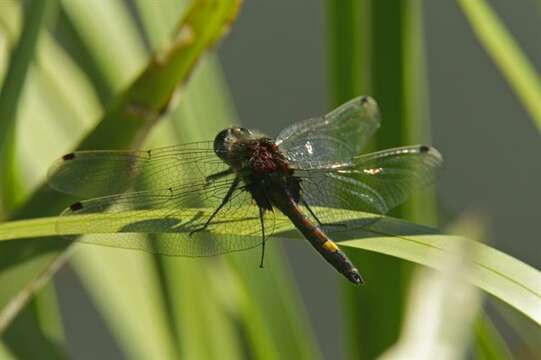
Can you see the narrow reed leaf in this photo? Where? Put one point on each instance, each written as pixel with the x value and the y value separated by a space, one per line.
pixel 110 37
pixel 510 280
pixel 125 124
pixel 489 344
pixel 22 56
pixel 506 54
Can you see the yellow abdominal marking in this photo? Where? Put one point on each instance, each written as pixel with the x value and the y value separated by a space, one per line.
pixel 330 246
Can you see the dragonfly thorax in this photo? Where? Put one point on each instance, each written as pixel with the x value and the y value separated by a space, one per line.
pixel 250 151
pixel 266 158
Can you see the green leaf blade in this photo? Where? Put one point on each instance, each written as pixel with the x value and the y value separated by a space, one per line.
pixel 129 126
pixel 501 275
pixel 506 54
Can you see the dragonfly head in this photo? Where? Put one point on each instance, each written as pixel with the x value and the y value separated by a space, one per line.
pixel 226 143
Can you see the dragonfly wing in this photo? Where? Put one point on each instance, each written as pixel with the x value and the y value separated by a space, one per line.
pixel 98 173
pixel 337 136
pixel 375 182
pixel 168 221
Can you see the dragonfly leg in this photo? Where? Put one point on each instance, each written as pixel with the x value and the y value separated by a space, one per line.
pixel 261 210
pixel 225 200
pixel 209 179
pixel 317 219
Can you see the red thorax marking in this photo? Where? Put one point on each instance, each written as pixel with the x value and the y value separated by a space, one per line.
pixel 267 158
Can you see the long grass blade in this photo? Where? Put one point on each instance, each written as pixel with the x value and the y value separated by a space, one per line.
pixel 111 37
pixel 22 56
pixel 508 279
pixel 500 45
pixel 179 288
pixel 131 118
pixel 488 342
pixel 443 334
pixel 348 39
pixel 377 62
pixel 262 296
pixel 48 330
pixel 134 276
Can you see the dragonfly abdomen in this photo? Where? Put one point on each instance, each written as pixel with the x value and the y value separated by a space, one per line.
pixel 317 238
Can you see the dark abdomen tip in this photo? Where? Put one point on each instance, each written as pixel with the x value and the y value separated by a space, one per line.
pixel 76 206
pixel 68 156
pixel 355 277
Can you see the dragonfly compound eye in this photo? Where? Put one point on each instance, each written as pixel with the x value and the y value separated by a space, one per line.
pixel 224 140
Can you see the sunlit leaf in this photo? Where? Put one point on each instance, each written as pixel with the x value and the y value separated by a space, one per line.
pixel 131 117
pixel 506 54
pixel 35 15
pixel 510 280
pixel 430 330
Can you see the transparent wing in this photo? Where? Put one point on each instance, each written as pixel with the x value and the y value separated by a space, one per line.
pixel 173 191
pixel 375 182
pixel 169 221
pixel 97 173
pixel 337 136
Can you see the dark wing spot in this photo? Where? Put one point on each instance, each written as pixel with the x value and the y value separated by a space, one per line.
pixel 424 148
pixel 69 156
pixel 76 206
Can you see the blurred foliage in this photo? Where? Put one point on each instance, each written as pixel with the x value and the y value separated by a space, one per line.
pixel 35 13
pixel 513 63
pixel 62 69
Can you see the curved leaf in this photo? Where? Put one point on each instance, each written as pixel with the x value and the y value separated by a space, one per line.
pixel 131 117
pixel 501 275
pixel 35 16
pixel 506 54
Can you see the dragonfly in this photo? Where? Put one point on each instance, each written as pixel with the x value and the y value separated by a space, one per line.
pixel 215 197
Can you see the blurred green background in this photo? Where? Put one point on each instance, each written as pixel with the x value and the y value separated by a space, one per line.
pixel 282 61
